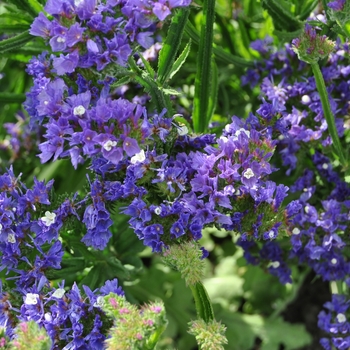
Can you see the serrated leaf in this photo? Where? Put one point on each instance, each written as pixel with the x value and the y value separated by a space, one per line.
pixel 180 60
pixel 15 42
pixel 120 82
pixel 172 43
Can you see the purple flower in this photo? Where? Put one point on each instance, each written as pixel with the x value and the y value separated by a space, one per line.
pixel 337 5
pixel 41 26
pixel 66 64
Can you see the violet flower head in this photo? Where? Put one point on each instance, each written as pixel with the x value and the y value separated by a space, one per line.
pixel 337 5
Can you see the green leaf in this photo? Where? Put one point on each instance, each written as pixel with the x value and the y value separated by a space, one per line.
pixel 287 36
pixel 169 91
pixel 31 7
pixel 8 97
pixel 243 329
pixel 201 114
pixel 202 301
pixel 15 42
pixel 158 97
pixel 307 8
pixel 219 52
pixel 13 28
pixel 180 60
pixel 214 90
pixel 283 19
pixel 172 43
pixel 148 67
pixel 122 81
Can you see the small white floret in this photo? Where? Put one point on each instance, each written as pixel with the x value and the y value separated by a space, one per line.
pixel 58 293
pixel 11 238
pixel 157 210
pixel 275 264
pixel 49 218
pixel 296 231
pixel 248 173
pixel 138 157
pixel 341 318
pixel 79 110
pixel 108 145
pixel 182 130
pixel 306 99
pixel 31 299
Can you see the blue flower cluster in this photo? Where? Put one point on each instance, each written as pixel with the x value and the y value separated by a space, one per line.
pixel 293 101
pixel 29 250
pixel 92 33
pixel 335 322
pixel 318 228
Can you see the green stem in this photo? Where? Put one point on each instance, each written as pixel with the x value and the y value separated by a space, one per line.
pixel 202 302
pixel 201 113
pixel 321 88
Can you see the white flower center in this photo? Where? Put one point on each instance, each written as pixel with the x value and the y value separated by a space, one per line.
pixel 238 132
pixel 61 40
pixel 11 238
pixel 157 210
pixel 275 264
pixel 271 234
pixel 58 293
pixel 341 318
pixel 79 110
pixel 334 261
pixel 182 130
pixel 31 299
pixel 99 301
pixel 295 231
pixel 306 99
pixel 248 173
pixel 307 209
pixel 1 227
pixel 78 2
pixel 49 218
pixel 325 166
pixel 138 157
pixel 109 144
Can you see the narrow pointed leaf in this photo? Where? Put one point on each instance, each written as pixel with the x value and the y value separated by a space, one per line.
pixel 219 53
pixel 203 76
pixel 148 67
pixel 15 42
pixel 282 18
pixel 180 60
pixel 172 43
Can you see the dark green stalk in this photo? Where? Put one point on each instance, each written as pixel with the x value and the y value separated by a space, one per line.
pixel 321 88
pixel 201 115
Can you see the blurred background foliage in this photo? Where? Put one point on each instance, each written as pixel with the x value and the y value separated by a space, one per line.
pixel 248 300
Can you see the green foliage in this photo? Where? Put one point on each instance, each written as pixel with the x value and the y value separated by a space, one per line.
pixel 203 82
pixel 171 46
